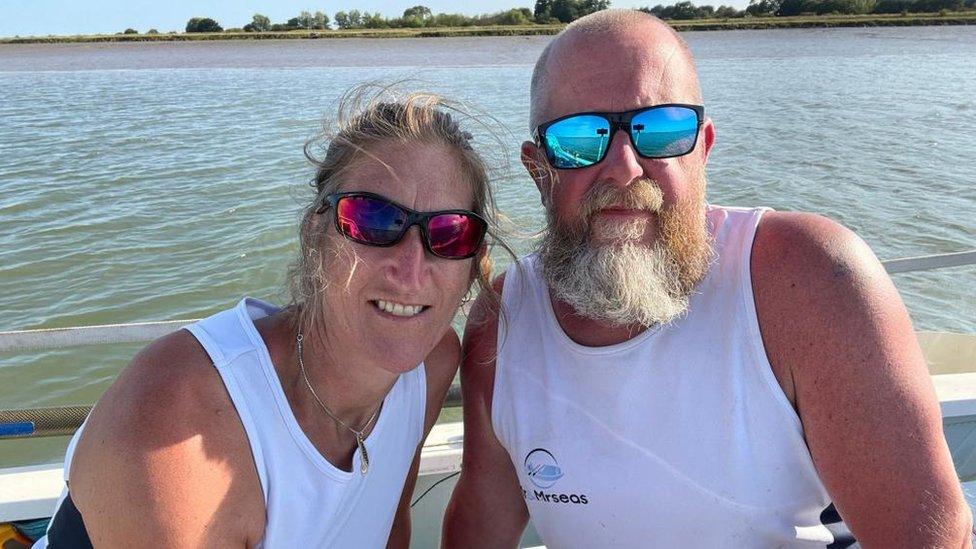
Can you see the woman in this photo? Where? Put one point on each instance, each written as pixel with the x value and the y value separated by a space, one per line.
pixel 302 426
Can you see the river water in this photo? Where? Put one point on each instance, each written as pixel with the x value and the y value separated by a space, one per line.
pixel 162 181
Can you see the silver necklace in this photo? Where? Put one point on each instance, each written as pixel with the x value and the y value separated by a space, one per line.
pixel 360 440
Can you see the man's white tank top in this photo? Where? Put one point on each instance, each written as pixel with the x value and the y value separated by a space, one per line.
pixel 309 501
pixel 679 437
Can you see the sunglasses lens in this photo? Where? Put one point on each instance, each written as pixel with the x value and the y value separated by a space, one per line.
pixel 455 235
pixel 664 131
pixel 577 141
pixel 370 220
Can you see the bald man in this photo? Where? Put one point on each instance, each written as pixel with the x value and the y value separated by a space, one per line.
pixel 668 373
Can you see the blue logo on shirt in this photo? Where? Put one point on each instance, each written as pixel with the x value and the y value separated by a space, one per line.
pixel 542 469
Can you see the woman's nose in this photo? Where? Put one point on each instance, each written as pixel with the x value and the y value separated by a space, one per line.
pixel 407 265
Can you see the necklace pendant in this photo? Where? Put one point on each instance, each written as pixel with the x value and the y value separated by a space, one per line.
pixel 364 456
pixel 364 461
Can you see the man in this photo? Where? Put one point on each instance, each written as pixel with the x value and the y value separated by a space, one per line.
pixel 665 373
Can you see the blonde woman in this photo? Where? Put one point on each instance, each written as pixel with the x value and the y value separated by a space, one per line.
pixel 302 426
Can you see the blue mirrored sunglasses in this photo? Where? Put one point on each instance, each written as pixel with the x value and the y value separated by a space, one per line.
pixel 582 139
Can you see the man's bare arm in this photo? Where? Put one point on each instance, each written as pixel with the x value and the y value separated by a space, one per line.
pixel 401 529
pixel 842 346
pixel 487 508
pixel 441 366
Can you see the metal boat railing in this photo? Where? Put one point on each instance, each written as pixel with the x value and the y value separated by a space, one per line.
pixel 929 262
pixel 64 420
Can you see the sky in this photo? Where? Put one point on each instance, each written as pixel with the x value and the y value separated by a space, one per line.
pixel 65 17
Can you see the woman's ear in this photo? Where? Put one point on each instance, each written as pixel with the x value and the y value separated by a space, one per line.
pixel 481 266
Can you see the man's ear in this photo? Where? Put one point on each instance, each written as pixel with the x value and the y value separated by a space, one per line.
pixel 536 164
pixel 708 138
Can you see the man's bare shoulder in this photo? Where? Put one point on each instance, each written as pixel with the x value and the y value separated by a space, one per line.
pixel 805 247
pixel 486 309
pixel 479 346
pixel 819 291
pixel 488 486
pixel 441 366
pixel 808 268
pixel 443 360
pixel 842 346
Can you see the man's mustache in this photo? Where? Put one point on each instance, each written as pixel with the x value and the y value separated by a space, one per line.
pixel 641 194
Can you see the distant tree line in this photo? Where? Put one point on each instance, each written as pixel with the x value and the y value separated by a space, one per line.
pixel 821 7
pixel 304 20
pixel 566 11
pixel 546 11
pixel 784 8
pixel 421 16
pixel 687 10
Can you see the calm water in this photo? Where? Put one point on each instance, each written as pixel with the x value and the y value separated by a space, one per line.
pixel 161 181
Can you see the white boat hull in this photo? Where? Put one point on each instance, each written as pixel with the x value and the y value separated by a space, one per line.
pixel 31 492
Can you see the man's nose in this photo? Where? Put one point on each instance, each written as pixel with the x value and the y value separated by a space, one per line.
pixel 621 165
pixel 407 263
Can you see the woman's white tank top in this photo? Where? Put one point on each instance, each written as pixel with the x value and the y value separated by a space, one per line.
pixel 679 437
pixel 309 501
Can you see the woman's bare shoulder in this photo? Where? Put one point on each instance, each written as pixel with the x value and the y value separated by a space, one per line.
pixel 165 445
pixel 167 385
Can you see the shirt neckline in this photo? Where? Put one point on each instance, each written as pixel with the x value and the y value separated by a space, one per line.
pixel 284 407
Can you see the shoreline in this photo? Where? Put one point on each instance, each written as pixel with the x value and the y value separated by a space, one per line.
pixel 742 23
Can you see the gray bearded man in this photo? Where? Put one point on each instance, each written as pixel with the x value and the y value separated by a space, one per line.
pixel 667 373
pixel 626 283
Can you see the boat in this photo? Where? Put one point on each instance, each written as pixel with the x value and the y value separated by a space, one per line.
pixel 28 494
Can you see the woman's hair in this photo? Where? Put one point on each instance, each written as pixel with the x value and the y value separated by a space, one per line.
pixel 367 116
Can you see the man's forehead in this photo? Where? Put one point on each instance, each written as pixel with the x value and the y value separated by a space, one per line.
pixel 618 72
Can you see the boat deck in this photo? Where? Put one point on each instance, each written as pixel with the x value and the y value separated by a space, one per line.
pixel 31 492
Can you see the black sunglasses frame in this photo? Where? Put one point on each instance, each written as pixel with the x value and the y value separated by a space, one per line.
pixel 618 121
pixel 414 217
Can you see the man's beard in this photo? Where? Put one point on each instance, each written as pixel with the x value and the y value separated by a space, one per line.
pixel 622 280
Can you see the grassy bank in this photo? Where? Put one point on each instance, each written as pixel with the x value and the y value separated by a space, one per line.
pixel 813 21
pixel 523 30
pixel 917 19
